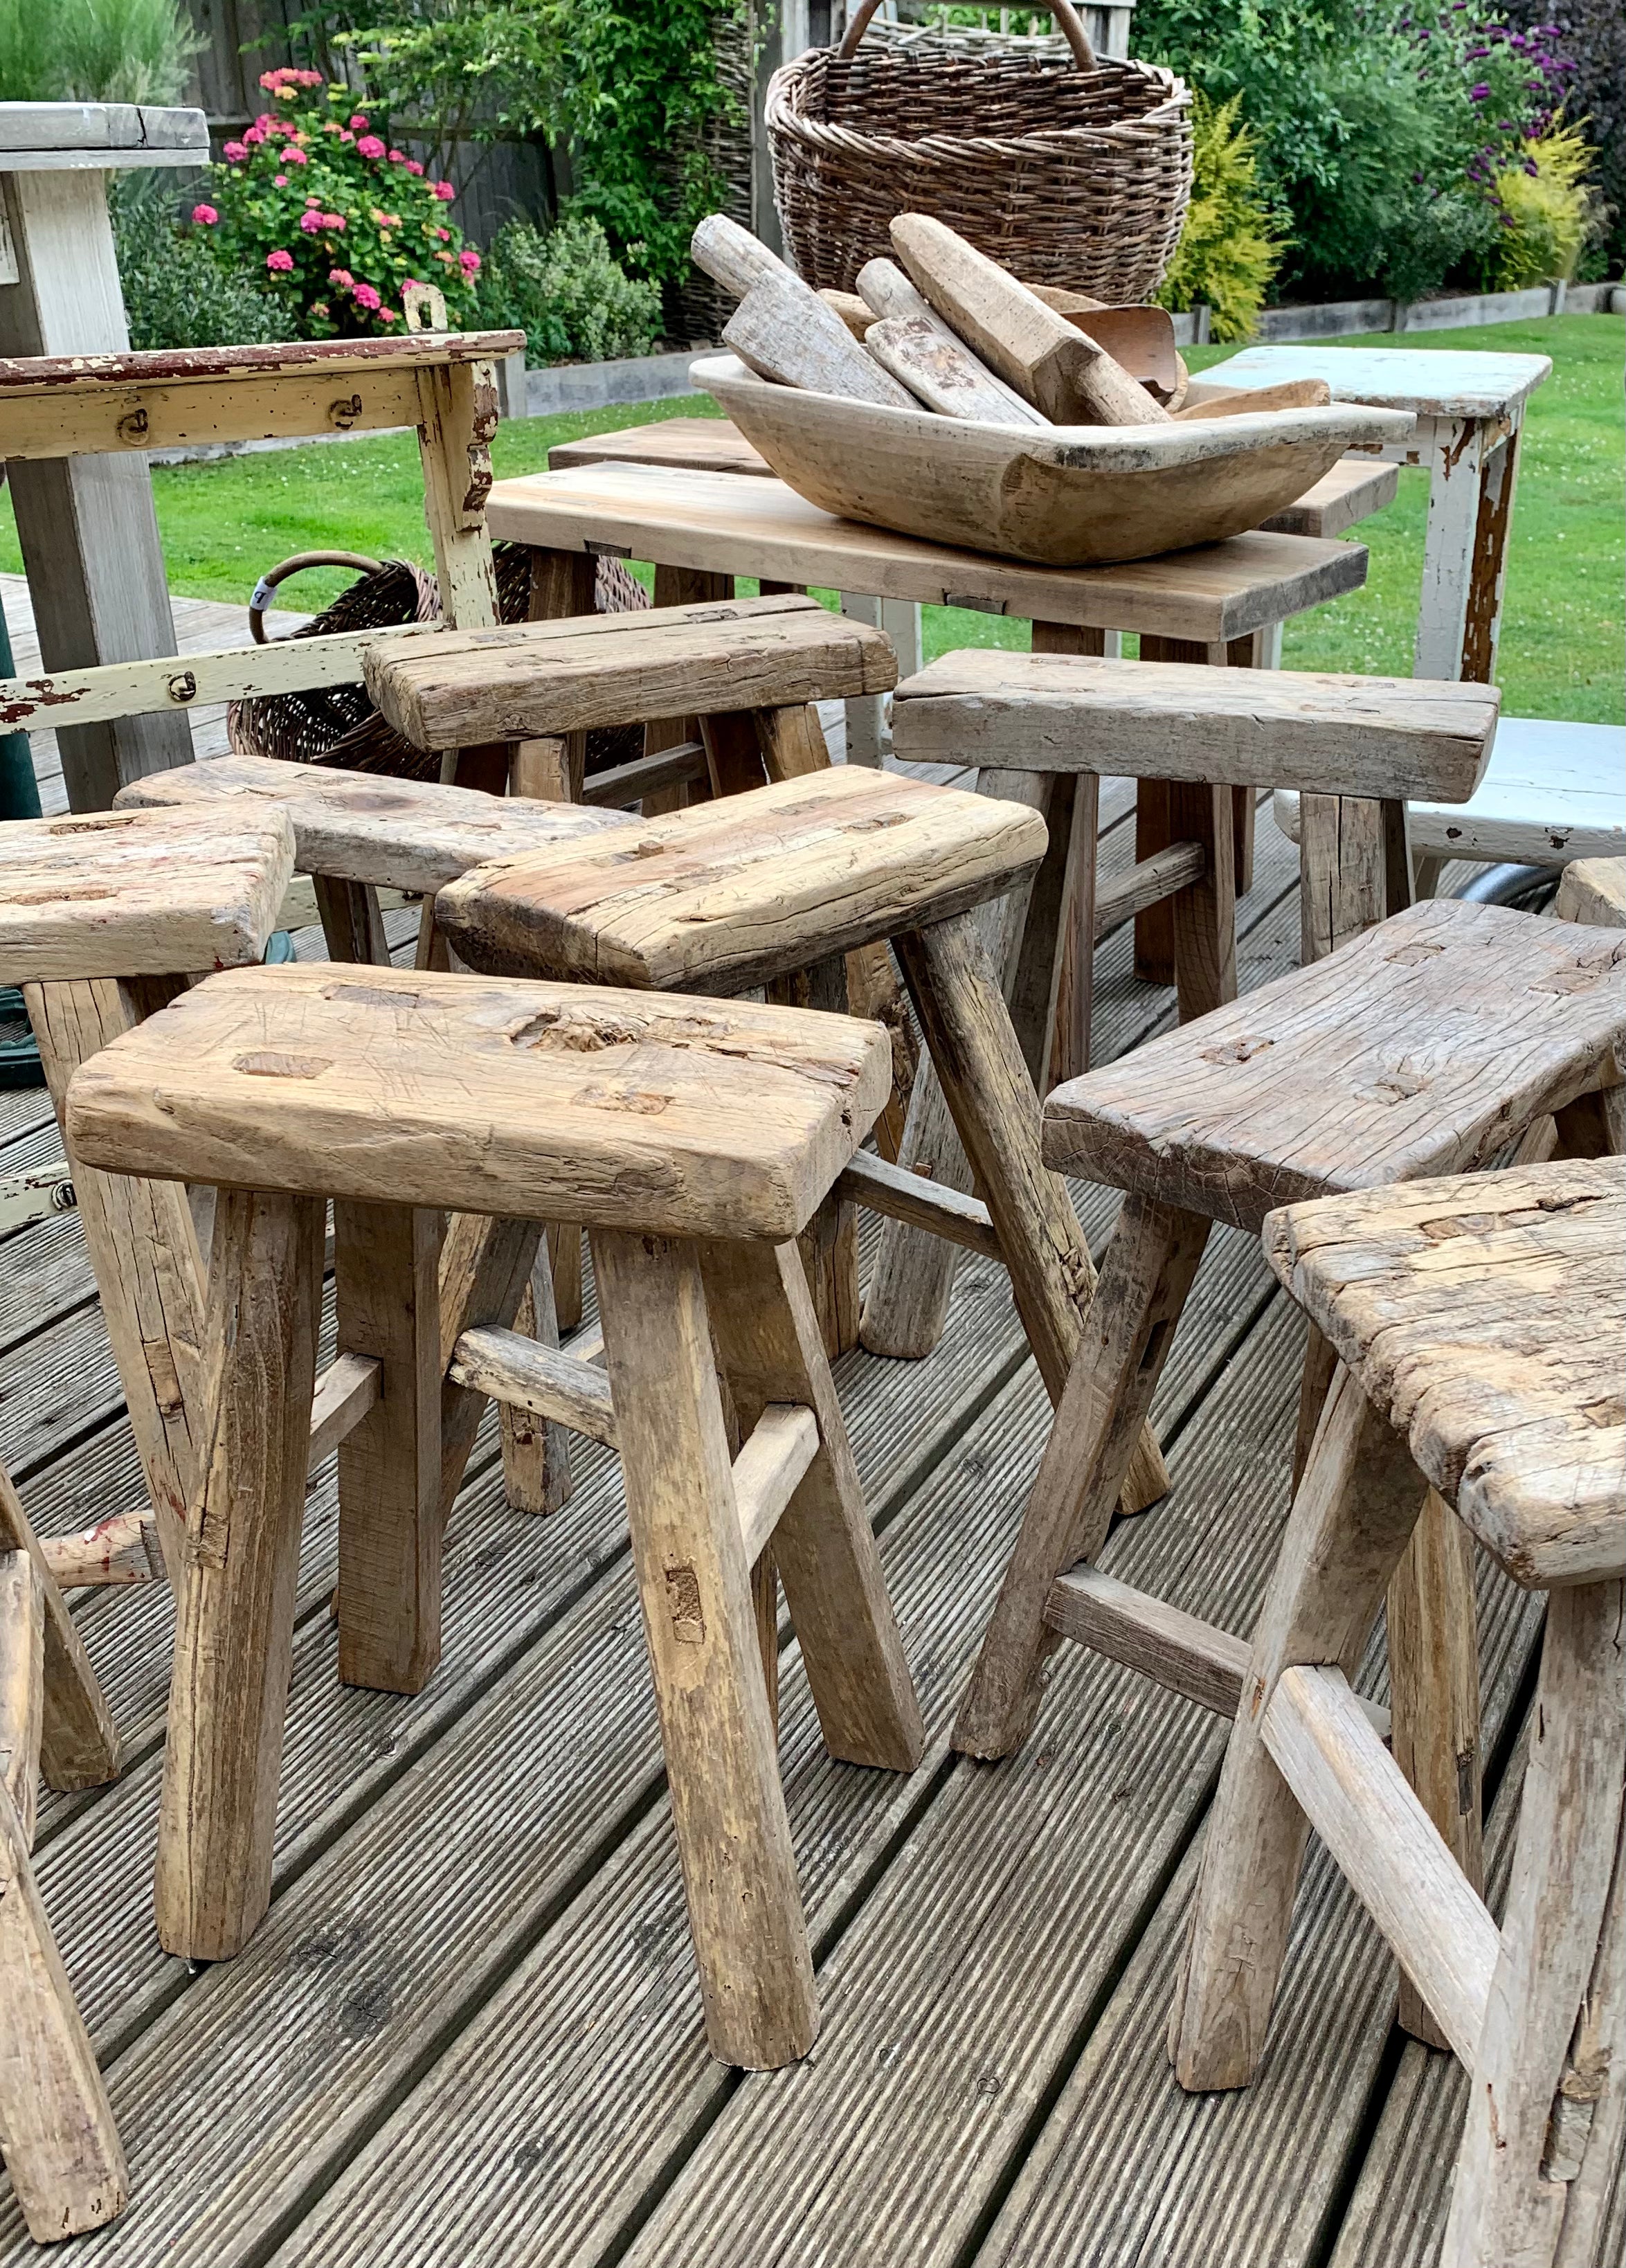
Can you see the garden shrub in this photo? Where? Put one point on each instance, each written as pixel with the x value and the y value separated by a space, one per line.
pixel 315 200
pixel 567 291
pixel 1230 247
pixel 1549 210
pixel 177 291
pixel 94 50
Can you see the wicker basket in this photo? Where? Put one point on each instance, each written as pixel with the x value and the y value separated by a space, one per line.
pixel 338 725
pixel 1071 169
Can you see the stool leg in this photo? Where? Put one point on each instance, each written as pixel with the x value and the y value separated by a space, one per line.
pixel 770 1350
pixel 386 1266
pixel 61 2147
pixel 962 1013
pixel 484 1269
pixel 1149 1266
pixel 1360 1503
pixel 536 1451
pixel 352 922
pixel 79 1743
pixel 1434 1699
pixel 1508 2207
pixel 234 1630
pixel 1203 916
pixel 728 1808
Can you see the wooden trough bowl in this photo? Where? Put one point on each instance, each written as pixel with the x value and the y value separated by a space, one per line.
pixel 1076 496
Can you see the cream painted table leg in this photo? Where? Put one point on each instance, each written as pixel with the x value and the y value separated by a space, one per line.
pixel 1473 473
pixel 89 533
pixel 868 737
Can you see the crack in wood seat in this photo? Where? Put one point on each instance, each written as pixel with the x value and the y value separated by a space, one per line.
pixel 683 1117
pixel 1430 1044
pixel 545 679
pixel 695 1139
pixel 1419 1047
pixel 111 894
pixel 1479 1322
pixel 732 893
pixel 365 827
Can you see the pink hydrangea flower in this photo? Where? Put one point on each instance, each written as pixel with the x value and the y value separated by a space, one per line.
pixel 280 263
pixel 253 136
pixel 389 314
pixel 365 296
pixel 234 152
pixel 346 135
pixel 445 234
pixel 287 95
pixel 266 122
pixel 470 262
pixel 279 181
pixel 310 223
pixel 205 215
pixel 369 146
pixel 398 157
pixel 413 165
pixel 359 123
pixel 332 220
pixel 293 155
pixel 342 276
pixel 444 190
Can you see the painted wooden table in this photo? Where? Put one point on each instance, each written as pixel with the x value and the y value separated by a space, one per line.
pixel 1469 409
pixel 89 535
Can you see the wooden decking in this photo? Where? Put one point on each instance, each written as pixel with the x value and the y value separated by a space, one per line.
pixel 468 2031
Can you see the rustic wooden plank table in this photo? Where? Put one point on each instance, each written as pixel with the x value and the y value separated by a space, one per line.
pixel 89 535
pixel 1470 411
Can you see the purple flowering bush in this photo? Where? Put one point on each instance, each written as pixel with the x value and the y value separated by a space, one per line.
pixel 315 202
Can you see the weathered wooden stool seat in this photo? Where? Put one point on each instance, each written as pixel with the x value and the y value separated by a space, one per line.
pixel 395 1087
pixel 104 916
pixel 746 891
pixel 117 893
pixel 1478 1324
pixel 729 895
pixel 1420 1046
pixel 694 1138
pixel 1432 1043
pixel 364 827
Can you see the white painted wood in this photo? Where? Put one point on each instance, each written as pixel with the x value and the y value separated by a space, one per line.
pixel 768 1471
pixel 1552 791
pixel 141 133
pixel 88 530
pixel 1454 383
pixel 1389 1849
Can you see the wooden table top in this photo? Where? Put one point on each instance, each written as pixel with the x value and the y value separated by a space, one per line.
pixel 1352 491
pixel 737 524
pixel 1450 383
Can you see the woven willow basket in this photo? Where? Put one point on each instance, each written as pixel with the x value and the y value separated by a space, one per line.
pixel 338 725
pixel 1067 168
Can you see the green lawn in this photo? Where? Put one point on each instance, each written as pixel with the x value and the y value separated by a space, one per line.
pixel 224 524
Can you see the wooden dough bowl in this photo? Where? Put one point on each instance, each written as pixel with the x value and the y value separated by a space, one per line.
pixel 1076 496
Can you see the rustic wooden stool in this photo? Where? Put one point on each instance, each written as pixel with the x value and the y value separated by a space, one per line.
pixel 60 2146
pixel 1433 1041
pixel 743 892
pixel 358 833
pixel 1203 736
pixel 1478 1324
pixel 695 1139
pixel 103 917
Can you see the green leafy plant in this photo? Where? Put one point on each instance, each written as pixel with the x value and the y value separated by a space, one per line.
pixel 629 89
pixel 94 50
pixel 567 291
pixel 1549 210
pixel 1230 245
pixel 316 200
pixel 177 291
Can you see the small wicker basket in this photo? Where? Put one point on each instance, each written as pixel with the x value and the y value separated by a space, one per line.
pixel 337 724
pixel 1070 168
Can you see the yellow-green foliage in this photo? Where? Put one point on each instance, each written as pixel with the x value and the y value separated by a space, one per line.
pixel 1551 210
pixel 1229 249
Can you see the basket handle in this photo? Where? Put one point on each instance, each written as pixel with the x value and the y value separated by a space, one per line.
pixel 1068 22
pixel 260 597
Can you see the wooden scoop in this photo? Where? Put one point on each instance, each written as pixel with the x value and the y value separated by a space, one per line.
pixel 1293 394
pixel 1141 338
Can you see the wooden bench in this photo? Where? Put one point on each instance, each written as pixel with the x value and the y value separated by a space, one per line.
pixel 1478 1324
pixel 1429 1043
pixel 695 1138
